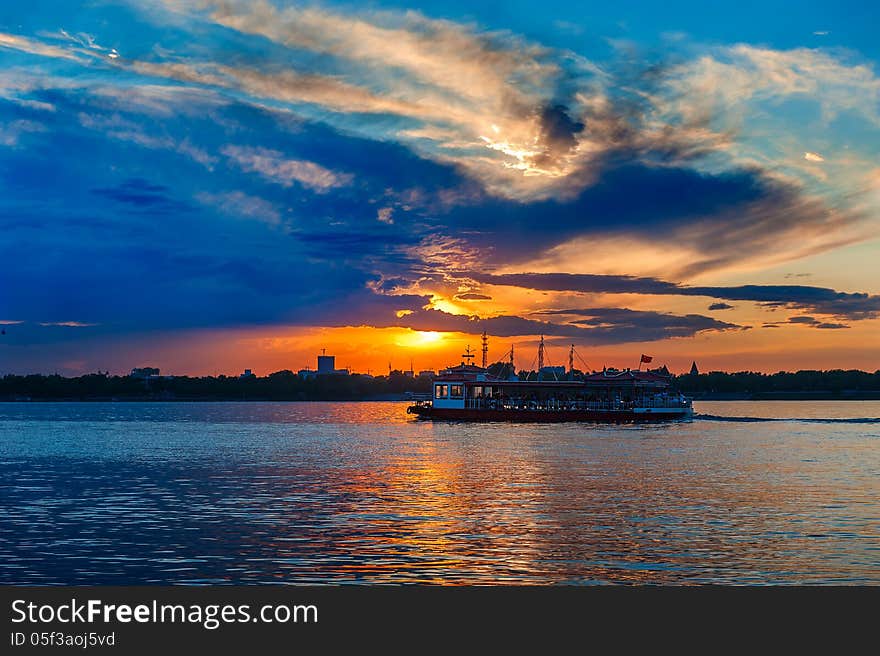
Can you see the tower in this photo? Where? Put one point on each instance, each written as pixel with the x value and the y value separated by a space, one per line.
pixel 485 340
pixel 541 354
pixel 571 360
pixel 694 370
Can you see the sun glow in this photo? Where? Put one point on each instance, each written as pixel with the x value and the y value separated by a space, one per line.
pixel 419 338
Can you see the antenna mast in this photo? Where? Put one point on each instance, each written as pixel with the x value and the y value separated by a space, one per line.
pixel 485 339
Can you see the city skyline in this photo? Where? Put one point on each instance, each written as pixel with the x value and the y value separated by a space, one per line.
pixel 214 186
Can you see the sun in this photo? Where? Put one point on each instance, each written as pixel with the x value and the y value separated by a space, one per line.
pixel 429 336
pixel 419 338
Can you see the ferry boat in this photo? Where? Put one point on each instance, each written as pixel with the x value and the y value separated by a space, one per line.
pixel 470 393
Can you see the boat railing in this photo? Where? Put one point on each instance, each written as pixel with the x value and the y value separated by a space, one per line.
pixel 514 403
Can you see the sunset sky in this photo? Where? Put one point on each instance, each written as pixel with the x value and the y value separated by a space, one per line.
pixel 212 185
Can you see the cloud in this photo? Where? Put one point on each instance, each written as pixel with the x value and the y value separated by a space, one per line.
pixel 35 47
pixel 383 215
pixel 471 296
pixel 161 100
pixel 116 127
pixel 285 85
pixel 11 133
pixel 805 320
pixel 813 157
pixel 725 220
pixel 723 82
pixel 720 306
pixel 142 196
pixel 600 325
pixel 822 300
pixel 273 166
pixel 238 203
pixel 484 101
pixel 558 133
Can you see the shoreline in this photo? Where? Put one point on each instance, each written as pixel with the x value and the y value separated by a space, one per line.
pixel 782 396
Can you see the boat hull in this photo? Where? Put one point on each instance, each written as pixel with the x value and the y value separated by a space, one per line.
pixel 551 416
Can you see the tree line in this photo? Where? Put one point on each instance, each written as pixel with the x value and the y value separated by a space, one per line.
pixel 279 386
pixel 288 386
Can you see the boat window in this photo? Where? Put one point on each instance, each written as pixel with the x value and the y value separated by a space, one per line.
pixel 441 391
pixel 456 391
pixel 477 391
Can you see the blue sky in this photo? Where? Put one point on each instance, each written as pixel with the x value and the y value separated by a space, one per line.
pixel 211 176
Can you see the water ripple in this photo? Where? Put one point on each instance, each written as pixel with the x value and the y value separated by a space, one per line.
pixel 202 494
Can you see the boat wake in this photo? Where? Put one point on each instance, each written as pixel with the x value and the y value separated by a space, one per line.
pixel 811 420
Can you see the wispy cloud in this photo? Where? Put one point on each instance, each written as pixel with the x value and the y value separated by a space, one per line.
pixel 811 322
pixel 238 203
pixel 67 324
pixel 11 133
pixel 40 48
pixel 275 167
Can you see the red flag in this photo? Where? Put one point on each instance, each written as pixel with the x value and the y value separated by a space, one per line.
pixel 645 359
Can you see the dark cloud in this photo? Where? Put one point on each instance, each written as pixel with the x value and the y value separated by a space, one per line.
pixel 822 300
pixel 471 296
pixel 813 322
pixel 599 325
pixel 623 321
pixel 720 306
pixel 558 133
pixel 143 196
pixel 668 198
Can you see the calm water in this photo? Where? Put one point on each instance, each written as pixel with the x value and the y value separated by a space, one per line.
pixel 755 492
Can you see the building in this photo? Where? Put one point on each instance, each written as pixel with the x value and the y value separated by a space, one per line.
pixel 427 373
pixel 326 364
pixel 694 370
pixel 326 367
pixel 247 374
pixel 144 372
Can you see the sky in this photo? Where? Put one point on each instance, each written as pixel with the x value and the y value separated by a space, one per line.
pixel 212 185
